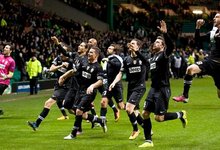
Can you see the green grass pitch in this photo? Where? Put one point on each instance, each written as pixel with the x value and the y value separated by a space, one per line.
pixel 202 132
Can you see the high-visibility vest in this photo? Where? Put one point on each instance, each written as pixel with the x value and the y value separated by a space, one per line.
pixel 33 68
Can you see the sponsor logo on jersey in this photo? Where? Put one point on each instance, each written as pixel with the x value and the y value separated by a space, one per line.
pixel 86 75
pixel 135 69
pixel 153 66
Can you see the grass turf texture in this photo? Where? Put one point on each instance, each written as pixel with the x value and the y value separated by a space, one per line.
pixel 202 132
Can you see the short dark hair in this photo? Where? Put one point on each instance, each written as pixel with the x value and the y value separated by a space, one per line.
pixel 161 38
pixel 139 42
pixel 117 48
pixel 97 50
pixel 11 46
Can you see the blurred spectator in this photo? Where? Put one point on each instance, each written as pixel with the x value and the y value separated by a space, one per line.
pixel 34 70
pixel 3 22
pixel 191 58
pixel 177 65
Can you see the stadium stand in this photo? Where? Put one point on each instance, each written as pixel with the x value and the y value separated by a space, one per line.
pixel 30 28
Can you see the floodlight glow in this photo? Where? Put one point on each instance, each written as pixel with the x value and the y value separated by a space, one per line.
pixel 198 12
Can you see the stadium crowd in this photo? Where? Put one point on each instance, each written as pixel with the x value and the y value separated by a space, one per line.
pixel 30 29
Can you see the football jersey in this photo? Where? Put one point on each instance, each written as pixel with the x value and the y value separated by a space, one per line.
pixel 7 64
pixel 135 69
pixel 159 65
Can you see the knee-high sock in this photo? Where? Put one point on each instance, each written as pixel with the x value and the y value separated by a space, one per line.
pixel 112 105
pixel 103 112
pixel 147 129
pixel 187 84
pixel 42 116
pixel 133 121
pixel 77 124
pixel 140 120
pixel 61 107
pixel 170 116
